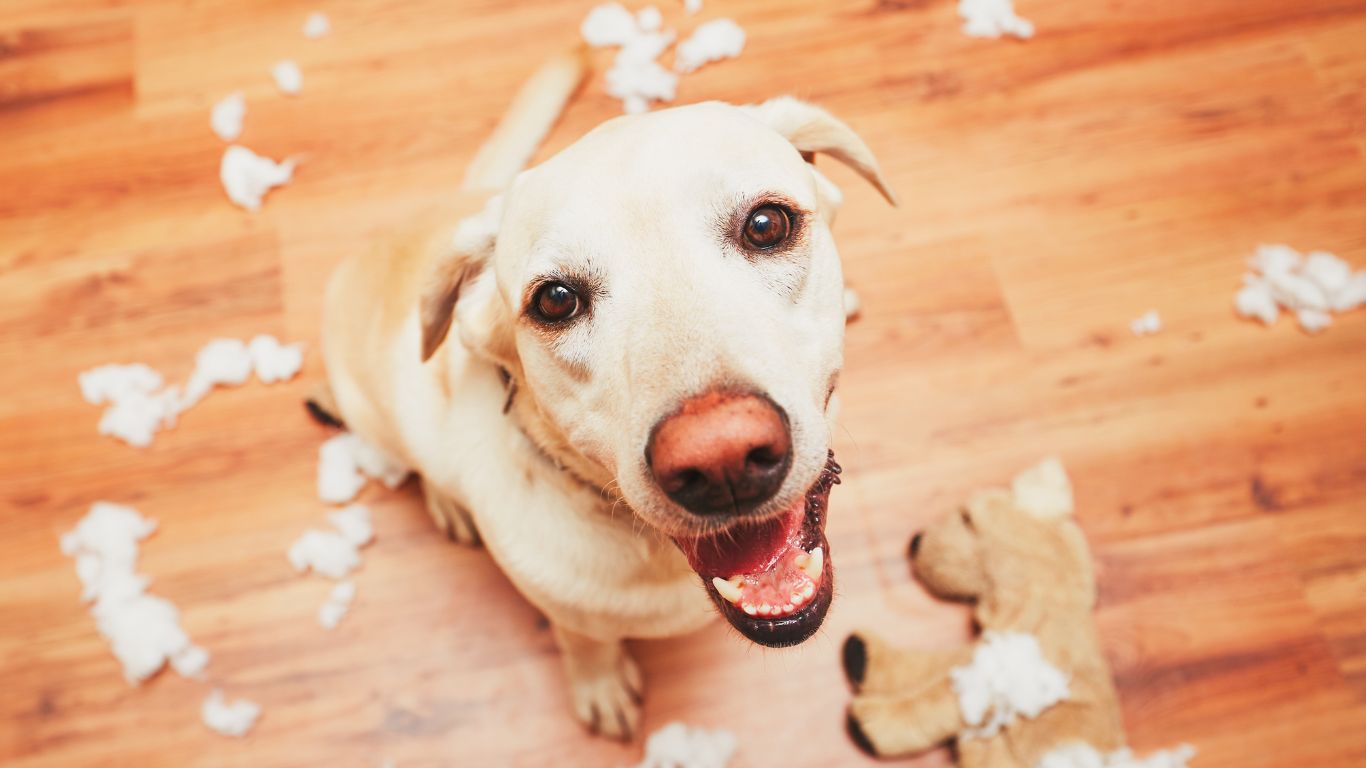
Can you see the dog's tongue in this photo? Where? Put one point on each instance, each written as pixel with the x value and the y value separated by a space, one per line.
pixel 745 549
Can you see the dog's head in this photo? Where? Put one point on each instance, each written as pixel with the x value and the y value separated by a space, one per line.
pixel 1015 553
pixel 666 296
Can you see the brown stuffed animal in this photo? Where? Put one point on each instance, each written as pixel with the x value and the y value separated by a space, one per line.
pixel 1035 688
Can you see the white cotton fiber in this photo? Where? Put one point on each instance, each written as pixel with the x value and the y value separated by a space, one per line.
pixel 338 603
pixel 353 523
pixel 1086 756
pixel 609 24
pixel 1311 287
pixel 107 383
pixel 228 113
pixel 288 78
pixel 852 304
pixel 143 631
pixel 993 18
pixel 1147 324
pixel 273 361
pixel 1044 489
pixel 636 77
pixel 715 40
pixel 317 25
pixel 345 461
pixel 138 406
pixel 649 19
pixel 229 718
pixel 1007 678
pixel 326 553
pixel 692 6
pixel 221 362
pixel 679 746
pixel 246 176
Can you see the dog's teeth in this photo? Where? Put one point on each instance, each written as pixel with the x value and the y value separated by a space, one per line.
pixel 750 609
pixel 815 564
pixel 801 560
pixel 788 608
pixel 795 598
pixel 808 591
pixel 726 589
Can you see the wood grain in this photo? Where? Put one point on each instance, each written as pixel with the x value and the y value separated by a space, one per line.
pixel 1127 158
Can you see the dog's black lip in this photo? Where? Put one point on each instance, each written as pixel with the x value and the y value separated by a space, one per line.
pixel 795 628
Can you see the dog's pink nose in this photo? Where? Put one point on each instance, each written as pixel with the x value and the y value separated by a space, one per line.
pixel 721 453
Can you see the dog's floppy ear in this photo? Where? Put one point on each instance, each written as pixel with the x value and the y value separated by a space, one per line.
pixel 812 130
pixel 462 258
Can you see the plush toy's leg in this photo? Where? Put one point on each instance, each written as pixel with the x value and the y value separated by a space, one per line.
pixel 892 725
pixel 605 681
pixel 874 666
pixel 451 518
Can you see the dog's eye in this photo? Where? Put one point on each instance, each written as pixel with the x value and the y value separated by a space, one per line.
pixel 767 227
pixel 555 303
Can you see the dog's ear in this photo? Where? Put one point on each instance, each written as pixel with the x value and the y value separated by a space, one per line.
pixel 461 258
pixel 813 131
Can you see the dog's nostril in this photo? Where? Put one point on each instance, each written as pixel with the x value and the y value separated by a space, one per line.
pixel 915 544
pixel 688 478
pixel 763 458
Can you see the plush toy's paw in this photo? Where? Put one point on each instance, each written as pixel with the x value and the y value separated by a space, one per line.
pixel 873 666
pixel 451 519
pixel 894 725
pixel 607 699
pixel 855 659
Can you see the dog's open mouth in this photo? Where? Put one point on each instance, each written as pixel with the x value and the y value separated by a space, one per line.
pixel 772 580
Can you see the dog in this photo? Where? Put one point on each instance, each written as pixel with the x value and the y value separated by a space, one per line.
pixel 616 370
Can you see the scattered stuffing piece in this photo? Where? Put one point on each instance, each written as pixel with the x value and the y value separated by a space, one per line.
pixel 715 40
pixel 1313 288
pixel 1087 756
pixel 227 116
pixel 140 405
pixel 326 553
pixel 609 24
pixel 993 18
pixel 1146 324
pixel 229 718
pixel 649 19
pixel 287 76
pixel 1008 677
pixel 317 25
pixel 338 603
pixel 679 746
pixel 221 362
pixel 353 522
pixel 852 304
pixel 346 460
pixel 143 630
pixel 247 176
pixel 274 361
pixel 692 6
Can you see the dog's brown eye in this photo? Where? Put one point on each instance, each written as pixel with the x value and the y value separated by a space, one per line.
pixel 555 303
pixel 767 227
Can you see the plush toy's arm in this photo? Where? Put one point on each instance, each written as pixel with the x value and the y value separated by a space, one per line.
pixel 895 724
pixel 874 666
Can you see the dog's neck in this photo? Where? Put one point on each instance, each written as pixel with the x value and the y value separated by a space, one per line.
pixel 521 407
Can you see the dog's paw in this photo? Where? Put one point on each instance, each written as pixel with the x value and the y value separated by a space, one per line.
pixel 451 519
pixel 607 696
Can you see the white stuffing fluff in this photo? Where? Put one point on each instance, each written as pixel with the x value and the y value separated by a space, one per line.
pixel 345 461
pixel 852 304
pixel 287 76
pixel 338 603
pixel 692 6
pixel 140 404
pixel 1146 324
pixel 317 25
pixel 1312 287
pixel 715 40
pixel 679 746
pixel 649 19
pixel 609 24
pixel 1044 489
pixel 274 361
pixel 228 113
pixel 247 176
pixel 143 630
pixel 1087 756
pixel 993 18
pixel 229 718
pixel 334 554
pixel 326 553
pixel 636 77
pixel 1007 678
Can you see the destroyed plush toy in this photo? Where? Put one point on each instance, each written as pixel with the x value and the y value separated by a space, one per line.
pixel 1034 691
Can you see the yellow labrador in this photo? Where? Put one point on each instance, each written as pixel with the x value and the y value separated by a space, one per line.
pixel 616 371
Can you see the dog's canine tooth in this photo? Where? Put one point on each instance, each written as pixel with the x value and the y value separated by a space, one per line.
pixel 727 589
pixel 815 564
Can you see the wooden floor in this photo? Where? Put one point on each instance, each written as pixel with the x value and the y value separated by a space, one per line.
pixel 1128 158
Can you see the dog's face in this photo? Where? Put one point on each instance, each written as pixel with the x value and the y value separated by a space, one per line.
pixel 668 293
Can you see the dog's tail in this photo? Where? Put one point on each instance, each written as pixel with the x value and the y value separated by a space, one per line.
pixel 528 119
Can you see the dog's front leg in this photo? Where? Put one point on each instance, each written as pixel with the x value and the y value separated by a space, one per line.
pixel 450 518
pixel 605 682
